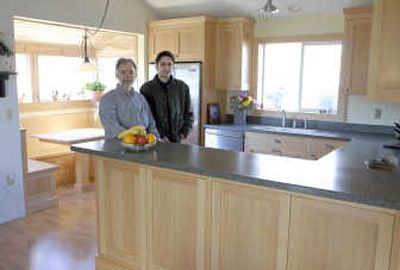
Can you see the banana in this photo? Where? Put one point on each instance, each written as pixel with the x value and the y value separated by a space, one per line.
pixel 135 130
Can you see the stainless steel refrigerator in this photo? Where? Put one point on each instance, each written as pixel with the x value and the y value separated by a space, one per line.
pixel 190 73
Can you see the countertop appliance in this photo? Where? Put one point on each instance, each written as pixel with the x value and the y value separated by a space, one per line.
pixel 190 73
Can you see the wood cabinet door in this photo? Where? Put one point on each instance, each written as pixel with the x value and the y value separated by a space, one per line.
pixel 262 143
pixel 177 217
pixel 121 218
pixel 229 57
pixel 356 51
pixel 295 146
pixel 332 236
pixel 321 147
pixel 190 43
pixel 161 39
pixel 249 228
pixel 384 69
pixel 280 145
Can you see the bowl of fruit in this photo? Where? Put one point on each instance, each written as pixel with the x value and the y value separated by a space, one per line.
pixel 137 139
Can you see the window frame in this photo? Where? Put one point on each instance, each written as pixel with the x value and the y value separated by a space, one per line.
pixel 313 39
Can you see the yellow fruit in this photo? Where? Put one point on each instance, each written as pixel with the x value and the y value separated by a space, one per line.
pixel 129 139
pixel 151 138
pixel 135 130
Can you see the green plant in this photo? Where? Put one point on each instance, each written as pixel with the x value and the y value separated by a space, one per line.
pixel 95 86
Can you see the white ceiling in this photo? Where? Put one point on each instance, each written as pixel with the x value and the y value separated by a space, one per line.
pixel 228 8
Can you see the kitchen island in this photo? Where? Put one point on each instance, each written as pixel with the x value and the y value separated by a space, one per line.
pixel 190 207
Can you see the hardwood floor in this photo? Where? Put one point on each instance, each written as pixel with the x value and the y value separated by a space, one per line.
pixel 61 238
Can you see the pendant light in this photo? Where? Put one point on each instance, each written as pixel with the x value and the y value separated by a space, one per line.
pixel 86 65
pixel 268 10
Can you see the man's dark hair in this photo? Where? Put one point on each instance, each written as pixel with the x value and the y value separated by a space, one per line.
pixel 165 53
pixel 124 61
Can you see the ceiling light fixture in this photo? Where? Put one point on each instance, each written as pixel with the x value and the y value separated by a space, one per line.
pixel 87 66
pixel 268 10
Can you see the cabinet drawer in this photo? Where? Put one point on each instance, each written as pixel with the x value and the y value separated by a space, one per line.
pixel 272 144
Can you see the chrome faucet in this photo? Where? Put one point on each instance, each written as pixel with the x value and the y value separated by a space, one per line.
pixel 305 123
pixel 283 118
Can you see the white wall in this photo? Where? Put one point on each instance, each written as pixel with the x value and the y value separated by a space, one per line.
pixel 124 15
pixel 359 109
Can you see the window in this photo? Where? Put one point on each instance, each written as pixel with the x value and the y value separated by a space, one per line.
pixel 24 78
pixel 299 76
pixel 59 78
pixel 48 59
pixel 107 71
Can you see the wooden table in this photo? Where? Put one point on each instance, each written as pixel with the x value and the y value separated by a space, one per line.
pixel 73 136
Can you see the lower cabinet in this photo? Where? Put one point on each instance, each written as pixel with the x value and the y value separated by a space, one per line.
pixel 121 215
pixel 273 144
pixel 326 235
pixel 177 215
pixel 249 228
pixel 304 147
pixel 153 218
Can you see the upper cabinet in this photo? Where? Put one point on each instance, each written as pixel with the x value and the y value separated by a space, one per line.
pixel 233 53
pixel 384 62
pixel 356 49
pixel 184 37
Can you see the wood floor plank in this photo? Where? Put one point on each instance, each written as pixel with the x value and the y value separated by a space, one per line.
pixel 59 238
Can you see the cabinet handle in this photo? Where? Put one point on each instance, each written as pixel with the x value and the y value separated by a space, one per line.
pixel 328 146
pixel 276 141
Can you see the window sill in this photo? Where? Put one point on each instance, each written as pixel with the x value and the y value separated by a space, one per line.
pixel 55 106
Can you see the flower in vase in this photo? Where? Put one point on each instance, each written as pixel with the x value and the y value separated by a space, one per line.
pixel 243 102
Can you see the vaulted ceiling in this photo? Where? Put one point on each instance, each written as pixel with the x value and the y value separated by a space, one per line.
pixel 227 8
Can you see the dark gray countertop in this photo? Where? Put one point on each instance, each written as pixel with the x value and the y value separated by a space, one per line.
pixel 341 175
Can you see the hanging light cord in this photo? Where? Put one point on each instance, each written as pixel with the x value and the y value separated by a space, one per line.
pixel 91 33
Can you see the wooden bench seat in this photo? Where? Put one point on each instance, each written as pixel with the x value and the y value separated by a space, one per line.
pixel 40 186
pixel 39 181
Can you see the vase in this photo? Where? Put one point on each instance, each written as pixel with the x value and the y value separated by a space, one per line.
pixel 240 117
pixel 96 96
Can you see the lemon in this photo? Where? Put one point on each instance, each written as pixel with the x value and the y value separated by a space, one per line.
pixel 151 138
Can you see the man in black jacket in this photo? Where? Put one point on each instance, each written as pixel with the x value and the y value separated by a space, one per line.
pixel 169 100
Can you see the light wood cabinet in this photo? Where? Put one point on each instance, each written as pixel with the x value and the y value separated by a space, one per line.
pixel 356 49
pixel 177 220
pixel 325 235
pixel 184 37
pixel 121 225
pixel 233 53
pixel 273 144
pixel 154 218
pixel 249 229
pixel 319 147
pixel 290 145
pixel 384 67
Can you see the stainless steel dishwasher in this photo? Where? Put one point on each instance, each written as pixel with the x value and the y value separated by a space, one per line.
pixel 222 139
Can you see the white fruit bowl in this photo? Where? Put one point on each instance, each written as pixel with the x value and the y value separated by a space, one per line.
pixel 138 147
